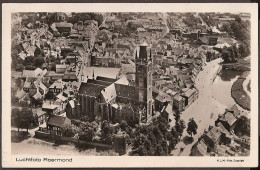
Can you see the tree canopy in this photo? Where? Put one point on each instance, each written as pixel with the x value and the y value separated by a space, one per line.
pixel 76 17
pixel 230 54
pixel 106 132
pixel 192 127
pixel 180 126
pixel 22 119
pixel 38 61
pixel 70 130
pixel 241 31
pixel 154 139
pixel 123 125
pixel 242 126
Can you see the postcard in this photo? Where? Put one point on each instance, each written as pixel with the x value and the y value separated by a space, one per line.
pixel 130 85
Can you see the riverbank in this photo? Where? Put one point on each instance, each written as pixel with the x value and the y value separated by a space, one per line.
pixel 239 94
pixel 241 65
pixel 246 85
pixel 236 67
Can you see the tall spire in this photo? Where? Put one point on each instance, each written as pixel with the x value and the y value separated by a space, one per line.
pixel 93 76
pixel 143 52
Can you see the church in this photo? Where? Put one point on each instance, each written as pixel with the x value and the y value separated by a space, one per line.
pixel 102 98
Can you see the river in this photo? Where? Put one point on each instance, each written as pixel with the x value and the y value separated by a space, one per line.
pixel 214 98
pixel 221 87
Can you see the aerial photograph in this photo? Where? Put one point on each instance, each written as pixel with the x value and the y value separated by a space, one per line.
pixel 130 84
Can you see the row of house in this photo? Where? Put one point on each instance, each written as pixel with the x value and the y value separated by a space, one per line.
pixel 220 139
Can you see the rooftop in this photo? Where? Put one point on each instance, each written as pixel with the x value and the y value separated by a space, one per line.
pixel 91 89
pixel 58 121
pixel 214 134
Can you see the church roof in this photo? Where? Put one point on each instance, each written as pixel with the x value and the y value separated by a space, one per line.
pixel 109 93
pixel 90 89
pixel 123 80
pixel 126 91
pixel 106 79
pixel 99 82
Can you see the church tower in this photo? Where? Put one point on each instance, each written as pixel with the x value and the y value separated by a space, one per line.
pixel 143 80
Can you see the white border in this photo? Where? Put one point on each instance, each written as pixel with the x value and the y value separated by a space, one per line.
pixel 103 161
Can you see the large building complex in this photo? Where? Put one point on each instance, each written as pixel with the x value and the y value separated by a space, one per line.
pixel 102 98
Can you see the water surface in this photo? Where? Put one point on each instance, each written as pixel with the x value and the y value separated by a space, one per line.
pixel 221 87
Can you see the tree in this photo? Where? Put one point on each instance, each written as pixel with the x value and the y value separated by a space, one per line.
pixel 154 139
pixel 26 118
pixel 139 145
pixel 30 67
pixel 165 147
pixel 192 127
pixel 89 133
pixel 86 131
pixel 172 137
pixel 157 133
pixel 180 126
pixel 15 118
pixel 243 50
pixel 142 151
pixel 177 116
pixel 230 54
pixel 148 146
pixel 123 125
pixel 133 26
pixel 238 19
pixel 19 67
pixel 162 124
pixel 98 18
pixel 106 132
pixel 28 61
pixel 50 95
pixel 70 130
pixel 240 32
pixel 86 16
pixel 242 126
pixel 14 100
pixel 38 52
pixel 37 102
pixel 38 61
pixel 50 18
pixel 227 28
pixel 159 150
pixel 19 83
pixel 53 66
pixel 47 60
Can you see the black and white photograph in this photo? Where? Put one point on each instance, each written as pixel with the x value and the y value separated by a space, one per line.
pixel 131 84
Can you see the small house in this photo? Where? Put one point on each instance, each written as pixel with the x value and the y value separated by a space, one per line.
pixel 56 123
pixel 199 149
pixel 228 120
pixel 56 87
pixel 40 116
